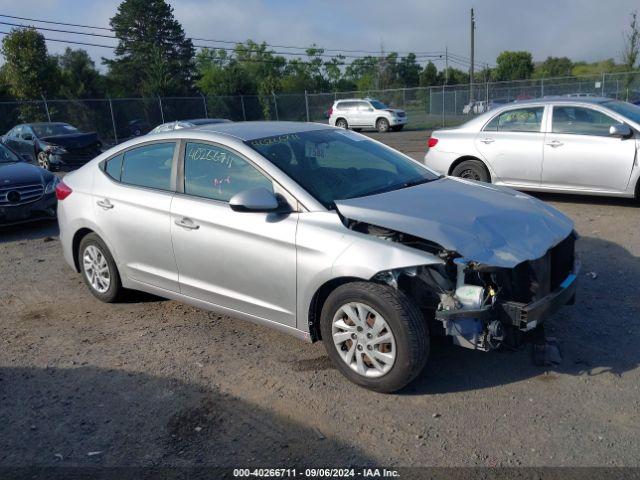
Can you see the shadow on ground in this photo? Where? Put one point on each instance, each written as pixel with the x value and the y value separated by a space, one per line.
pixel 89 416
pixel 29 231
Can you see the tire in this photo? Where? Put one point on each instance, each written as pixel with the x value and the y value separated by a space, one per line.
pixel 397 128
pixel 408 344
pixel 92 243
pixel 342 123
pixel 43 161
pixel 382 125
pixel 472 170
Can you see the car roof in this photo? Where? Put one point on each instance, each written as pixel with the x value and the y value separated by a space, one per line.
pixel 253 130
pixel 40 124
pixel 563 99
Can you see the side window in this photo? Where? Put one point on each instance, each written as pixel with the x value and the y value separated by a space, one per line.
pixel 581 121
pixel 15 133
pixel 113 167
pixel 364 107
pixel 149 166
pixel 216 173
pixel 518 120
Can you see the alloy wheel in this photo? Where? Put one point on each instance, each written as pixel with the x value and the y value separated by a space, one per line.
pixel 363 339
pixel 470 174
pixel 96 269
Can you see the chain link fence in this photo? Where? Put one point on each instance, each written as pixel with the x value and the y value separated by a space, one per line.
pixel 118 119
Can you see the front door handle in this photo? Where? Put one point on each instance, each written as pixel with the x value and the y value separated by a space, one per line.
pixel 487 140
pixel 106 204
pixel 187 223
pixel 555 143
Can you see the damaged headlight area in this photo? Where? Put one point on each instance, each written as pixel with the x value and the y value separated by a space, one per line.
pixel 481 307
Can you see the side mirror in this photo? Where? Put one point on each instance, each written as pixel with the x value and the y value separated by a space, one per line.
pixel 28 137
pixel 254 200
pixel 620 130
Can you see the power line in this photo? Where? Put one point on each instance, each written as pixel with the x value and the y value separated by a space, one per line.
pixel 199 39
pixel 229 49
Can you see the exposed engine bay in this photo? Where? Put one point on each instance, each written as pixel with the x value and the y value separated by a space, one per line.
pixel 480 306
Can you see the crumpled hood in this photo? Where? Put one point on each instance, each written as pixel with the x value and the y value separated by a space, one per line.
pixel 491 225
pixel 73 140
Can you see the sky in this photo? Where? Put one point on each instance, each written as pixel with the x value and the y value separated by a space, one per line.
pixel 579 29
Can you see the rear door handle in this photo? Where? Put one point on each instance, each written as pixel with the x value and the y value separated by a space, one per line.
pixel 106 204
pixel 487 140
pixel 555 143
pixel 187 223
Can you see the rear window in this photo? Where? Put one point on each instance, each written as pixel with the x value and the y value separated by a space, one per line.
pixel 518 120
pixel 149 166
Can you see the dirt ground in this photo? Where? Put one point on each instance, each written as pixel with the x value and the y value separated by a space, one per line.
pixel 153 382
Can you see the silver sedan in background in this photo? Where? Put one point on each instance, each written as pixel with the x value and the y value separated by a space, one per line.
pixel 568 145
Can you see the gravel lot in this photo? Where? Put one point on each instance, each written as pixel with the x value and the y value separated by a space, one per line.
pixel 154 382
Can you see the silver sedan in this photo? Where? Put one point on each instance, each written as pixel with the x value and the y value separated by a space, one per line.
pixel 568 145
pixel 321 233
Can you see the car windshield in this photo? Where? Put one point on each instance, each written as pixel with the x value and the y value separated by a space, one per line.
pixel 632 112
pixel 339 164
pixel 51 129
pixel 7 156
pixel 378 105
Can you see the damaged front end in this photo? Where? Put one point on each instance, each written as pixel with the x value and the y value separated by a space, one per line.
pixel 480 306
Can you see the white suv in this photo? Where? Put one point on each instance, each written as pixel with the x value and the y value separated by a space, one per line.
pixel 359 113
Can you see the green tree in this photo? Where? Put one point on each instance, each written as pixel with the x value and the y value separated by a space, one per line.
pixel 631 49
pixel 553 67
pixel 409 71
pixel 153 56
pixel 28 70
pixel 79 77
pixel 429 75
pixel 514 66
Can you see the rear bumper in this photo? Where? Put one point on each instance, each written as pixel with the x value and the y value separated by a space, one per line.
pixel 524 316
pixel 42 209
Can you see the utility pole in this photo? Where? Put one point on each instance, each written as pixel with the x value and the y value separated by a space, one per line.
pixel 473 28
pixel 446 65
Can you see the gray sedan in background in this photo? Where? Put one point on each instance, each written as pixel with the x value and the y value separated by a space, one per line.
pixel 321 233
pixel 568 145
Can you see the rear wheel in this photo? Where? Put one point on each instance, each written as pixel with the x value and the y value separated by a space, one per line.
pixel 43 161
pixel 342 123
pixel 382 125
pixel 472 170
pixel 98 269
pixel 375 335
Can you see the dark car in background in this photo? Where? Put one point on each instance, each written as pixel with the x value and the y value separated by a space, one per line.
pixel 53 145
pixel 27 193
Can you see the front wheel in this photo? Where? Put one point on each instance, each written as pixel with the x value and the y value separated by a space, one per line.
pixel 472 170
pixel 43 161
pixel 375 335
pixel 342 123
pixel 382 125
pixel 98 268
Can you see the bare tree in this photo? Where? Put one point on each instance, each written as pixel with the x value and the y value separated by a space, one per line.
pixel 631 49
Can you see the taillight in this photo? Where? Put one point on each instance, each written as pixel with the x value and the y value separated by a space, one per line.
pixel 432 142
pixel 63 191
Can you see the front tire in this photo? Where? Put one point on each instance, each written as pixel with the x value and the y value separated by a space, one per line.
pixel 99 270
pixel 382 125
pixel 472 170
pixel 375 335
